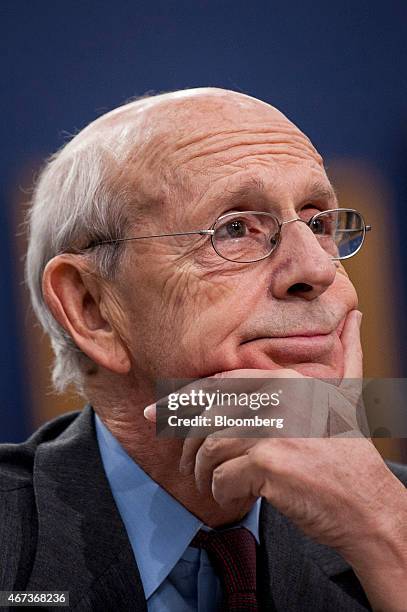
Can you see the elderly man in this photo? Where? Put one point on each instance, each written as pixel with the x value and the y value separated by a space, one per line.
pixel 182 236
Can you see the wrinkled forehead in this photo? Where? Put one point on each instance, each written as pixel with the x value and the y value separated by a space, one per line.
pixel 201 126
pixel 197 148
pixel 184 142
pixel 202 132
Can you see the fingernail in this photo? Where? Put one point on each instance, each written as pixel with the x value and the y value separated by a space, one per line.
pixel 359 318
pixel 150 413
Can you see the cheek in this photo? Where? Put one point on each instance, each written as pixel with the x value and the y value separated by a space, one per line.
pixel 198 287
pixel 344 290
pixel 180 301
pixel 341 270
pixel 219 307
pixel 205 304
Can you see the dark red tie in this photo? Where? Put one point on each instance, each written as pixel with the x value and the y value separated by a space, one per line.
pixel 233 556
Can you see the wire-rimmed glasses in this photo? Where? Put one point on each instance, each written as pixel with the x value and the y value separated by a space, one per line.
pixel 249 236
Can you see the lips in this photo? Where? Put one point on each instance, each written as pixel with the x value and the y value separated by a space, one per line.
pixel 306 346
pixel 307 333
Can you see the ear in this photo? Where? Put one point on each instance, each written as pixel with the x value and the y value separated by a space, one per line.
pixel 75 299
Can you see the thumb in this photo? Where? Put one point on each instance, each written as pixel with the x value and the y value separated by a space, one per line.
pixel 352 348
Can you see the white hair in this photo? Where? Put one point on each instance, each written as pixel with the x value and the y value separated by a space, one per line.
pixel 77 200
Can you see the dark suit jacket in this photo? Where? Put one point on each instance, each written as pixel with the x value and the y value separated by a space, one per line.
pixel 60 530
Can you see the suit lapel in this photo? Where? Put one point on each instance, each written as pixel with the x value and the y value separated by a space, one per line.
pixel 82 543
pixel 295 573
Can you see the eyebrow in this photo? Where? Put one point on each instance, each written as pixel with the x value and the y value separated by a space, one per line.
pixel 256 186
pixel 250 187
pixel 322 191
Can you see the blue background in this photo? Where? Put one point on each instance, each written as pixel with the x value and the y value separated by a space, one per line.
pixel 338 69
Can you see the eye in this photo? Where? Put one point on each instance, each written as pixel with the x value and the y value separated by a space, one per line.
pixel 236 228
pixel 318 226
pixel 322 224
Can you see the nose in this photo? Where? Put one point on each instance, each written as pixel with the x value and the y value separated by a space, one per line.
pixel 301 266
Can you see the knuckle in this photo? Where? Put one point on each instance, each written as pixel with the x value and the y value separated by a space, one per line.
pixel 211 446
pixel 217 475
pixel 260 458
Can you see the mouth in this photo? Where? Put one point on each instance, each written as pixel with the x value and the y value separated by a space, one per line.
pixel 302 346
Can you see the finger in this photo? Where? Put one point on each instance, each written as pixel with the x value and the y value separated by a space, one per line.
pixel 195 446
pixel 150 412
pixel 253 373
pixel 189 451
pixel 213 441
pixel 352 348
pixel 236 479
pixel 213 452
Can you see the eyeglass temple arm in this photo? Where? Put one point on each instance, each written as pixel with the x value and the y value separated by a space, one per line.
pixel 113 241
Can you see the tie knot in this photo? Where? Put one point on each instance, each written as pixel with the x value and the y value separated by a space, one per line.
pixel 233 555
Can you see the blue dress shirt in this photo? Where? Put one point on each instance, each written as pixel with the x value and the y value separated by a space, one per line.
pixel 176 577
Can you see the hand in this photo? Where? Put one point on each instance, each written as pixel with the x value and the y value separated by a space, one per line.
pixel 337 490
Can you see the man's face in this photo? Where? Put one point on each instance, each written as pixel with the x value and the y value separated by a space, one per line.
pixel 191 313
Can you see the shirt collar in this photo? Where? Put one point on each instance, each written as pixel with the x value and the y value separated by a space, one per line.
pixel 158 526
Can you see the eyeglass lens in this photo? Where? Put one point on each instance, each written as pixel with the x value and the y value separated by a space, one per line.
pixel 249 236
